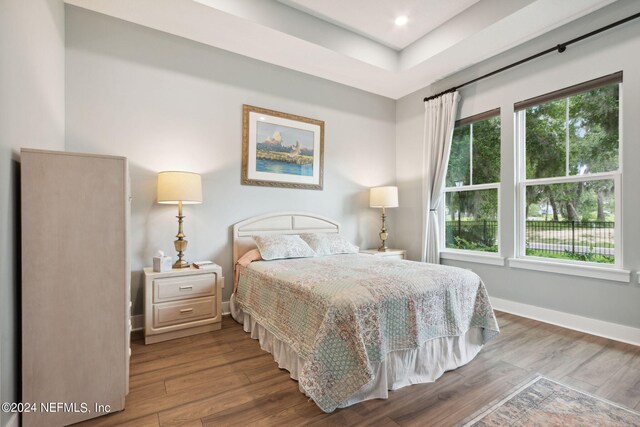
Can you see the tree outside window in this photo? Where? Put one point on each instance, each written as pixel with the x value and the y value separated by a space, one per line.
pixel 472 184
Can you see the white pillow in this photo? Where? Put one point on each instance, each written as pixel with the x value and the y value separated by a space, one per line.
pixel 281 246
pixel 329 244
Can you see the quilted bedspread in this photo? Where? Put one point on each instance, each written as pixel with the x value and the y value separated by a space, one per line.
pixel 342 313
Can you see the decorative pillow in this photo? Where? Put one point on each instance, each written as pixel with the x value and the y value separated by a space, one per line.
pixel 249 257
pixel 280 246
pixel 245 260
pixel 329 244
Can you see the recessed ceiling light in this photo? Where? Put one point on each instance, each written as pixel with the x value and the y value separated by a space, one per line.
pixel 262 118
pixel 401 20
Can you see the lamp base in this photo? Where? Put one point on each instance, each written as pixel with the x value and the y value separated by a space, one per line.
pixel 181 264
pixel 180 243
pixel 383 234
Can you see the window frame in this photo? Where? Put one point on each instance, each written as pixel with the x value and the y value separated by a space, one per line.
pixel 493 258
pixel 521 259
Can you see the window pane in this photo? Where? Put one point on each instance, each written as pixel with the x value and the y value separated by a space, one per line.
pixel 458 172
pixel 486 151
pixel 545 136
pixel 471 220
pixel 571 221
pixel 592 121
pixel 593 142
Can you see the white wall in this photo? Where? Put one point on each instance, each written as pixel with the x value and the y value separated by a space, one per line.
pixel 31 115
pixel 167 103
pixel 609 52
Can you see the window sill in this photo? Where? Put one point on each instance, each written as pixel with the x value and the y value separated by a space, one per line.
pixel 469 256
pixel 595 272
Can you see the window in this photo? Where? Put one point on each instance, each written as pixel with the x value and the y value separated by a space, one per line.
pixel 569 176
pixel 472 184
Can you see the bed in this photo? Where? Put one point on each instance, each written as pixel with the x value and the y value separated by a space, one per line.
pixel 352 327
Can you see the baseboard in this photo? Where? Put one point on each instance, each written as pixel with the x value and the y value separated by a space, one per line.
pixel 137 322
pixel 226 308
pixel 587 325
pixel 14 421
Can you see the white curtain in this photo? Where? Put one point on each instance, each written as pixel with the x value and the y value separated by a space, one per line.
pixel 439 120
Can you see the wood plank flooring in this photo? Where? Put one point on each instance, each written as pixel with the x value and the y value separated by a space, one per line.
pixel 224 378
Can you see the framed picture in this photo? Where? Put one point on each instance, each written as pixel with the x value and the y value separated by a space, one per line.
pixel 281 150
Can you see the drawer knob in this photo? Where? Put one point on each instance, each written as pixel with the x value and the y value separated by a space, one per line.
pixel 186 288
pixel 186 310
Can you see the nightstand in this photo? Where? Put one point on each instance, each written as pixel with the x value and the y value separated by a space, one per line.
pixel 181 302
pixel 390 253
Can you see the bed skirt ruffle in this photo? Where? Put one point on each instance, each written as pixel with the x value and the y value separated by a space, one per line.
pixel 400 368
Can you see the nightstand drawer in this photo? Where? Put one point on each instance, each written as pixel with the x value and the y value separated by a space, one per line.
pixel 181 302
pixel 394 256
pixel 183 287
pixel 388 254
pixel 179 312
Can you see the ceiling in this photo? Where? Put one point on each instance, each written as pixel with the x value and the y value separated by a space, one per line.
pixel 355 42
pixel 375 18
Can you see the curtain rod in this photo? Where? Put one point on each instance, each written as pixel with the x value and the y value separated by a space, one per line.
pixel 560 48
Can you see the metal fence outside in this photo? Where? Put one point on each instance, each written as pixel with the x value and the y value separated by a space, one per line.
pixel 471 234
pixel 576 237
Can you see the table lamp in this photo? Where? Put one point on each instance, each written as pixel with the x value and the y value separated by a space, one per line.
pixel 179 188
pixel 383 197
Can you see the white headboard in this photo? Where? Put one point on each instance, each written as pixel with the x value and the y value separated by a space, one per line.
pixel 278 223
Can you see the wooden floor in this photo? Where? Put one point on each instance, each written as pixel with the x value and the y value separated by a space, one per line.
pixel 224 378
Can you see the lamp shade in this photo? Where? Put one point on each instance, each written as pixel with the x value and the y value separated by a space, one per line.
pixel 174 187
pixel 383 197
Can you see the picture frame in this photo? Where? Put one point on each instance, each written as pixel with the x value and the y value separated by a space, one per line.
pixel 281 149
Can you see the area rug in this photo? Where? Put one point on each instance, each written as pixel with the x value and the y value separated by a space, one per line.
pixel 544 402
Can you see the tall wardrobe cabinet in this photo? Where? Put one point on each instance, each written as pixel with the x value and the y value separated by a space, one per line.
pixel 75 285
